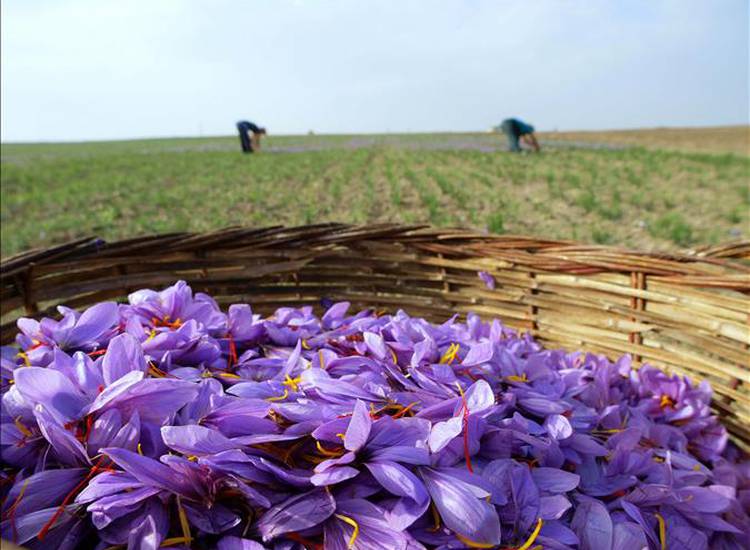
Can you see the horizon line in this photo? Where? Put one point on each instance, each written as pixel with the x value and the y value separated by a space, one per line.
pixel 389 133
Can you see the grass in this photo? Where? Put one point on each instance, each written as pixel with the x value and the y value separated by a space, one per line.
pixel 674 227
pixel 496 222
pixel 642 198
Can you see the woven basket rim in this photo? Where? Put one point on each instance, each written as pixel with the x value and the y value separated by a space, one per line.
pixel 728 255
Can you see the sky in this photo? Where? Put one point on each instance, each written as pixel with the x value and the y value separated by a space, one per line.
pixel 91 69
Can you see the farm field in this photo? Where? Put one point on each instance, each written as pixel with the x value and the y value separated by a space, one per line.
pixel 604 193
pixel 718 139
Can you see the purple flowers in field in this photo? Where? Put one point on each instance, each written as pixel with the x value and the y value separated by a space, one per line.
pixel 167 422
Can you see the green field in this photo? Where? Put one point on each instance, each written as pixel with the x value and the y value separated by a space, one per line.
pixel 648 199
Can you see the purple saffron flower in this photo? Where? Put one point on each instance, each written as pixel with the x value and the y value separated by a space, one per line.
pixel 488 279
pixel 166 422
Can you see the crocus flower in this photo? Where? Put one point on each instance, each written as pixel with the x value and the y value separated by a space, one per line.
pixel 487 279
pixel 84 331
pixel 166 422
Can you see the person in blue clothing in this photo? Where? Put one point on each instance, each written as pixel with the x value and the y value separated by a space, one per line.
pixel 250 143
pixel 516 131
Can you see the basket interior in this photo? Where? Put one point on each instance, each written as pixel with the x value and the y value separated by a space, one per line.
pixel 686 314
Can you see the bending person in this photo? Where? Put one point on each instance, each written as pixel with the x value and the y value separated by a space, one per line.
pixel 517 130
pixel 250 135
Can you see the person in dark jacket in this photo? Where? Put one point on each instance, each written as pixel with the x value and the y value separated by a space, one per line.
pixel 250 134
pixel 516 130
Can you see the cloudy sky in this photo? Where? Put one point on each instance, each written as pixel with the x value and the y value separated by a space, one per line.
pixel 88 69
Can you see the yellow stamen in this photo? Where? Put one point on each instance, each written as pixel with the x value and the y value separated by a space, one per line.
pixel 435 518
pixel 140 449
pixel 22 355
pixel 174 541
pixel 697 468
pixel 280 397
pixel 354 524
pixel 229 375
pixel 662 531
pixel 206 374
pixel 314 459
pixel 184 523
pixel 450 354
pixel 515 378
pixel 156 372
pixel 320 360
pixel 666 401
pixel 342 436
pixel 11 381
pixel 534 534
pixel 21 428
pixel 192 458
pixel 326 452
pixel 460 389
pixel 151 335
pixel 305 345
pixel 287 458
pixel 405 410
pixel 292 382
pixel 165 322
pixel 395 358
pixel 18 498
pixel 471 544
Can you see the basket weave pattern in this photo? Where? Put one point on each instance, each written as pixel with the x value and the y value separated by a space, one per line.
pixel 686 314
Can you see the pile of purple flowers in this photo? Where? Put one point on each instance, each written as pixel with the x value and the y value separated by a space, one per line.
pixel 165 422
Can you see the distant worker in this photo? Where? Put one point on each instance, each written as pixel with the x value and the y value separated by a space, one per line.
pixel 515 129
pixel 249 142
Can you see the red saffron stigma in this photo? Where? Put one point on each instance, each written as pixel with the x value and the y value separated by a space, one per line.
pixel 465 411
pixel 95 469
pixel 89 425
pixel 232 351
pixel 11 512
pixel 303 541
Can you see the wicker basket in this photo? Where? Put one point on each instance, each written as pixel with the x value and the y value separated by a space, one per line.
pixel 686 314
